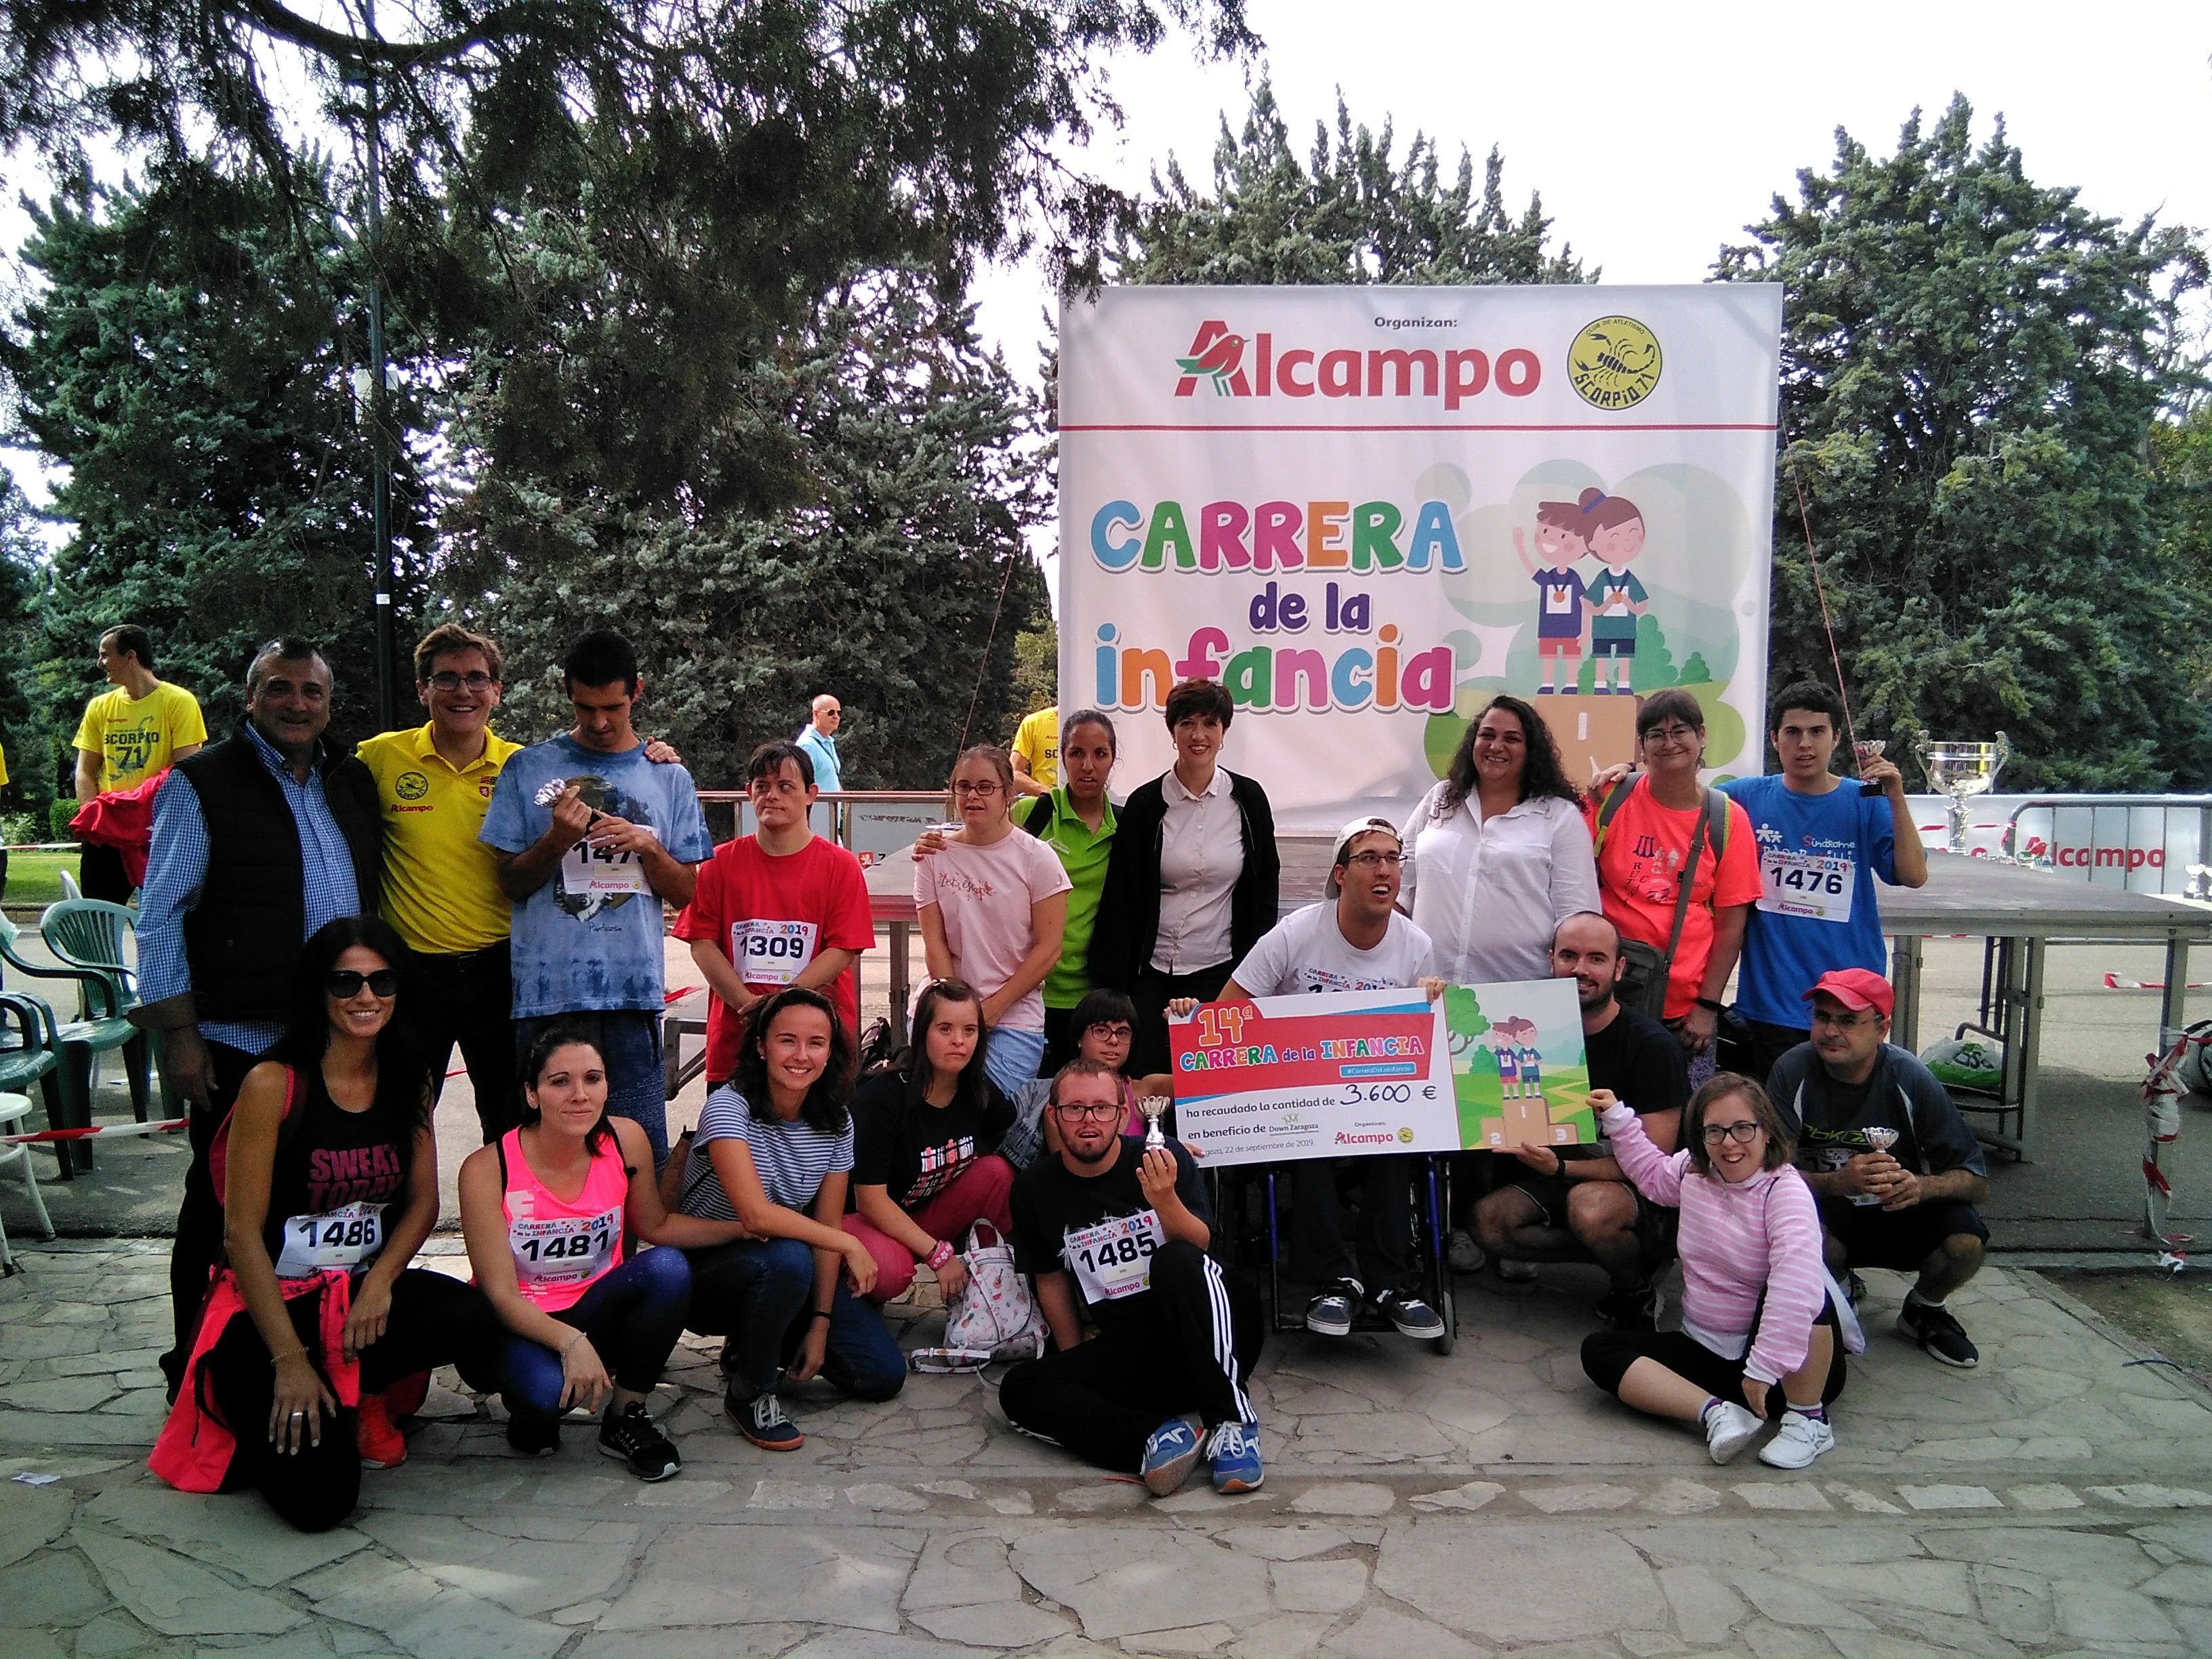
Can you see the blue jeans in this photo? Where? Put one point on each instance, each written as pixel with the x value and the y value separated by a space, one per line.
pixel 1011 1058
pixel 759 1293
pixel 630 1043
pixel 633 1317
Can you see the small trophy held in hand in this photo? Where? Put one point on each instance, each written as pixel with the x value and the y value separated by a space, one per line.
pixel 1879 1139
pixel 549 792
pixel 1868 748
pixel 1152 1106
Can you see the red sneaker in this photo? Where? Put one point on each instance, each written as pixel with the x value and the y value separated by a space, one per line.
pixel 381 1445
pixel 406 1397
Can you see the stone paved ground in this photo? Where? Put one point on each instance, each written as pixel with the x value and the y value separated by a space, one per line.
pixel 2059 1500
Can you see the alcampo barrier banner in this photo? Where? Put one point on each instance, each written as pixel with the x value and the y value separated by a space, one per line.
pixel 1366 509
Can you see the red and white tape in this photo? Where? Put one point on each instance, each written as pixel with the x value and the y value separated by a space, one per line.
pixel 45 1136
pixel 2114 982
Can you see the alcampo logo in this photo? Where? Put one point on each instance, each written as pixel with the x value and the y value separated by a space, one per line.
pixel 1250 366
pixel 1614 362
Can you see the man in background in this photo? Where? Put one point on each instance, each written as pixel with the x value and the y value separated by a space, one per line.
pixel 129 732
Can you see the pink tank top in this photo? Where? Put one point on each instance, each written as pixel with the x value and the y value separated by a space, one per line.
pixel 560 1246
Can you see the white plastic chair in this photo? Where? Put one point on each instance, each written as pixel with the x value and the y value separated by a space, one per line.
pixel 70 889
pixel 13 1108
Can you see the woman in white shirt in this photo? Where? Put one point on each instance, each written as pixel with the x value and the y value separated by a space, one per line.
pixel 1496 855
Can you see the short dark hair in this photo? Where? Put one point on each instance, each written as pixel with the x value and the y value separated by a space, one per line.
pixel 558 1035
pixel 452 636
pixel 1808 695
pixel 1201 698
pixel 1586 915
pixel 1102 1004
pixel 1092 717
pixel 767 762
pixel 600 658
pixel 287 647
pixel 1781 1149
pixel 1672 704
pixel 128 636
pixel 1081 1067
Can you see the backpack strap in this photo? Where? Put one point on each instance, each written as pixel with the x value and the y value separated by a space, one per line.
pixel 1038 818
pixel 1611 803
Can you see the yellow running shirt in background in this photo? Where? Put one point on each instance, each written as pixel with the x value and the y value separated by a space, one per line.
pixel 1036 740
pixel 4 766
pixel 135 739
pixel 440 883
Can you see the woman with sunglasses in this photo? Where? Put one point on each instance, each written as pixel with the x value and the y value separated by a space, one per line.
pixel 992 905
pixel 545 1210
pixel 329 1178
pixel 1760 1335
pixel 1646 827
pixel 925 1166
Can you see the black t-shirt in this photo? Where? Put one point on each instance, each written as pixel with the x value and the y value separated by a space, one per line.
pixel 1830 1119
pixel 1639 1058
pixel 1055 1211
pixel 915 1151
pixel 335 1174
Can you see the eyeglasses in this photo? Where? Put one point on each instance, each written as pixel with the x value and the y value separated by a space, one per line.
pixel 1097 1111
pixel 1109 1033
pixel 345 982
pixel 990 789
pixel 446 680
pixel 1739 1133
pixel 1377 861
pixel 1671 734
pixel 1843 1022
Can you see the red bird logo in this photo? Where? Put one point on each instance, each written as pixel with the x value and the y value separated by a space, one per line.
pixel 1218 354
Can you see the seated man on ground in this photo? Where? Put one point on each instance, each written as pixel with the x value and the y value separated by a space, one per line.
pixel 1910 1205
pixel 1573 1203
pixel 1354 940
pixel 1120 1234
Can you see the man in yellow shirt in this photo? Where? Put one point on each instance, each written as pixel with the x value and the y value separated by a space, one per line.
pixel 128 733
pixel 440 884
pixel 1037 753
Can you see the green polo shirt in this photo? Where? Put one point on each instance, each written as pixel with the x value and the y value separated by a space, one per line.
pixel 1082 856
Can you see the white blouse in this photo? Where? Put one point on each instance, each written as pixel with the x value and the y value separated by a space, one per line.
pixel 1489 891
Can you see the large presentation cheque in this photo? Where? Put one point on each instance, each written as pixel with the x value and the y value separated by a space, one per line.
pixel 1346 1072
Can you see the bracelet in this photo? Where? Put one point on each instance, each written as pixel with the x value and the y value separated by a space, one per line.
pixel 819 1313
pixel 941 1255
pixel 571 1343
pixel 1707 1002
pixel 277 1359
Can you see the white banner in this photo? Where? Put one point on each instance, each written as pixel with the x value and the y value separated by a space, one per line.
pixel 1366 509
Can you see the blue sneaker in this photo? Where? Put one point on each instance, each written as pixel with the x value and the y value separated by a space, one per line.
pixel 1171 1455
pixel 1236 1453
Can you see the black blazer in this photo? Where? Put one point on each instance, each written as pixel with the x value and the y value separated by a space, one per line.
pixel 1128 923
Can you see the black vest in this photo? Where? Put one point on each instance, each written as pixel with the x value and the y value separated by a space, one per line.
pixel 242 940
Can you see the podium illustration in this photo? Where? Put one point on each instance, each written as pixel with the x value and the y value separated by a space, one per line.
pixel 1592 731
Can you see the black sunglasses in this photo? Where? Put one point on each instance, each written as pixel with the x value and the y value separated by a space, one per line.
pixel 345 982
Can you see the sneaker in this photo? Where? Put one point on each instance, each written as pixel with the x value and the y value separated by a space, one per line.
pixel 761 1420
pixel 533 1442
pixel 1798 1441
pixel 380 1444
pixel 406 1397
pixel 1462 1255
pixel 1855 1288
pixel 632 1436
pixel 1330 1313
pixel 1516 1272
pixel 1938 1334
pixel 1236 1453
pixel 1170 1453
pixel 1629 1310
pixel 1728 1429
pixel 1413 1316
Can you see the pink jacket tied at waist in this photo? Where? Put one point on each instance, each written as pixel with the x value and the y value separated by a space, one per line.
pixel 1737 1242
pixel 193 1451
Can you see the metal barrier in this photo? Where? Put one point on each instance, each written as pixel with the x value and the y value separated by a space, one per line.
pixel 2094 856
pixel 899 814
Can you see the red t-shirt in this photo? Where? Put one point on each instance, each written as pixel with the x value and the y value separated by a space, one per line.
pixel 1639 871
pixel 771 916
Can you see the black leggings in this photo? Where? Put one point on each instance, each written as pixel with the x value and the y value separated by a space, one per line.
pixel 1606 1356
pixel 434 1321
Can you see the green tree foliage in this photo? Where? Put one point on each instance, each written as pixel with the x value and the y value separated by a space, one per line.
pixel 899 556
pixel 2181 460
pixel 187 361
pixel 1350 213
pixel 1973 367
pixel 23 732
pixel 1037 669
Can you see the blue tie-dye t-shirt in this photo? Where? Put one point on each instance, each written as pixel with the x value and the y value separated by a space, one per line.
pixel 599 950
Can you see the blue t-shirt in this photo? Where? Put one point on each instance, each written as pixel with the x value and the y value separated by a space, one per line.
pixel 828 773
pixel 580 942
pixel 1817 855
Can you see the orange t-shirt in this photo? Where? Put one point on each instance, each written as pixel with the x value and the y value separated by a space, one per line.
pixel 1638 873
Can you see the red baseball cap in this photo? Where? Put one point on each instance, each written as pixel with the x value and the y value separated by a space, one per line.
pixel 1856 988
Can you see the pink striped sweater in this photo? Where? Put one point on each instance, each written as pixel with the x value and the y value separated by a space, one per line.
pixel 1736 1241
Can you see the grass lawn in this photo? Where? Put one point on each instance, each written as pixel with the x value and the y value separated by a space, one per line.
pixel 35 879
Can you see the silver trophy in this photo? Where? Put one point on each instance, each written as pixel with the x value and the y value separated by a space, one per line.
pixel 1880 1139
pixel 1868 748
pixel 1961 771
pixel 1152 1106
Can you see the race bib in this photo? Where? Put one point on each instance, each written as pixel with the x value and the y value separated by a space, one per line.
pixel 567 1250
pixel 1114 1259
pixel 771 952
pixel 344 1237
pixel 586 869
pixel 1809 885
pixel 1558 600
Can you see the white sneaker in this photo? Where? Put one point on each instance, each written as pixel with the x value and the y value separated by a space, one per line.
pixel 1462 1255
pixel 1797 1442
pixel 1516 1272
pixel 1728 1429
